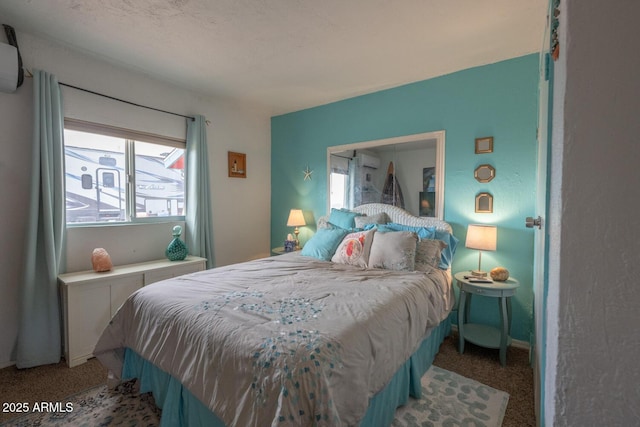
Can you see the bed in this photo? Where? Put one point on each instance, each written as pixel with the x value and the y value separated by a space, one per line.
pixel 285 340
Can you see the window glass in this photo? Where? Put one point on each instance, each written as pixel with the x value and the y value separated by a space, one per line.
pixel 159 180
pixel 95 178
pixel 338 190
pixel 96 171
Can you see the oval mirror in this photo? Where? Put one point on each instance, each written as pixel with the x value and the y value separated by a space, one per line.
pixel 484 173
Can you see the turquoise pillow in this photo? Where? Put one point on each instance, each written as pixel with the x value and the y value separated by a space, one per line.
pixel 324 243
pixel 447 253
pixel 343 218
pixel 422 232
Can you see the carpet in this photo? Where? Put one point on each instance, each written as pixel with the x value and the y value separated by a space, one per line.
pixel 447 399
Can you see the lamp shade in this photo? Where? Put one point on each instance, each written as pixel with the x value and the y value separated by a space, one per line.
pixel 482 237
pixel 296 218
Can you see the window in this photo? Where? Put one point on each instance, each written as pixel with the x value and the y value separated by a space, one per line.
pixel 338 190
pixel 115 175
pixel 339 179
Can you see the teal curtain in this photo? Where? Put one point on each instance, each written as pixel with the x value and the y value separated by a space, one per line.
pixel 199 233
pixel 39 337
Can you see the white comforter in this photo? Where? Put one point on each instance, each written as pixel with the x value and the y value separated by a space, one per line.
pixel 285 340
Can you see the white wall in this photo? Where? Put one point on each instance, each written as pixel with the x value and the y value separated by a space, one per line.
pixel 240 206
pixel 592 337
pixel 15 172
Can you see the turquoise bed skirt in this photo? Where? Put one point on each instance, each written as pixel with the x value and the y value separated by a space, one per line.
pixel 181 408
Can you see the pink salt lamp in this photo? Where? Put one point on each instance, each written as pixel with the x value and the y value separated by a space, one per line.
pixel 101 260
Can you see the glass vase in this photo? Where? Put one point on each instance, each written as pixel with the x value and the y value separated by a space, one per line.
pixel 177 249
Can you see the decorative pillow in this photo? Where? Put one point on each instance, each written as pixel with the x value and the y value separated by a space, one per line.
pixel 450 241
pixel 422 232
pixel 323 222
pixel 429 254
pixel 323 244
pixel 343 218
pixel 382 228
pixel 449 251
pixel 362 221
pixel 394 250
pixel 355 249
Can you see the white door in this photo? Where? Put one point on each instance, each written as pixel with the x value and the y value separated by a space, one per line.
pixel 537 222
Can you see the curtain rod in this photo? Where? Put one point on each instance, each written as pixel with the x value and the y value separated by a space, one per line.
pixel 126 102
pixel 342 157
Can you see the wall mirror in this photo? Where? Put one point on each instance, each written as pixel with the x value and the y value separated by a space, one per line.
pixel 484 145
pixel 405 171
pixel 484 203
pixel 484 173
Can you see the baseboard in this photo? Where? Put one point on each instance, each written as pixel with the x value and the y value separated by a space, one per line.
pixel 6 364
pixel 520 344
pixel 515 343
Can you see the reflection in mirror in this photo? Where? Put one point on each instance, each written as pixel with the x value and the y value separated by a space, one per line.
pixel 406 171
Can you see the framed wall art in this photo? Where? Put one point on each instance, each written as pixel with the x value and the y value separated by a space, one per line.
pixel 237 165
pixel 427 203
pixel 484 145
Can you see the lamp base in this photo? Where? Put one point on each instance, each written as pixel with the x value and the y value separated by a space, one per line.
pixel 479 273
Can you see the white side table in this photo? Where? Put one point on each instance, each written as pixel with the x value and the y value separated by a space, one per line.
pixel 90 299
pixel 479 334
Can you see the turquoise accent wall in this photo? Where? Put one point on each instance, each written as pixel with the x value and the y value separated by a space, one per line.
pixel 498 100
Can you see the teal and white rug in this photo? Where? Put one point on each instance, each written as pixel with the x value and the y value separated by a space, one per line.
pixel 448 399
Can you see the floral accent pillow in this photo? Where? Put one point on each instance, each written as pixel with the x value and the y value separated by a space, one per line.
pixel 429 254
pixel 395 250
pixel 355 249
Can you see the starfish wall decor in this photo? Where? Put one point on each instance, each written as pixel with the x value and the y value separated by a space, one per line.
pixel 307 173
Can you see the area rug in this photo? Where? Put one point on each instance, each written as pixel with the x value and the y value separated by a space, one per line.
pixel 448 399
pixel 98 406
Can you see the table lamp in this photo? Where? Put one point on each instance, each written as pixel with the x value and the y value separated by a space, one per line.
pixel 482 238
pixel 296 219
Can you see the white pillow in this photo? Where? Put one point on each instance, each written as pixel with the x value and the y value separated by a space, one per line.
pixel 379 218
pixel 355 248
pixel 394 250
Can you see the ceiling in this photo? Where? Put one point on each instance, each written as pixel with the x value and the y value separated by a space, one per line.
pixel 288 55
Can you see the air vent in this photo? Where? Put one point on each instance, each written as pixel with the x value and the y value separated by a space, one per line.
pixel 8 68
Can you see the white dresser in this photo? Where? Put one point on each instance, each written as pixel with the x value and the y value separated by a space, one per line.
pixel 91 299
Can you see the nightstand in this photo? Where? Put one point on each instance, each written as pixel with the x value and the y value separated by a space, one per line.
pixel 280 250
pixel 484 335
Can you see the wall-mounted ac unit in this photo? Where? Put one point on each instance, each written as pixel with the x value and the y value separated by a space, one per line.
pixel 8 68
pixel 369 161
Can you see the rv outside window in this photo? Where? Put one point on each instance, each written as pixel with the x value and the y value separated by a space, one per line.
pixel 114 175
